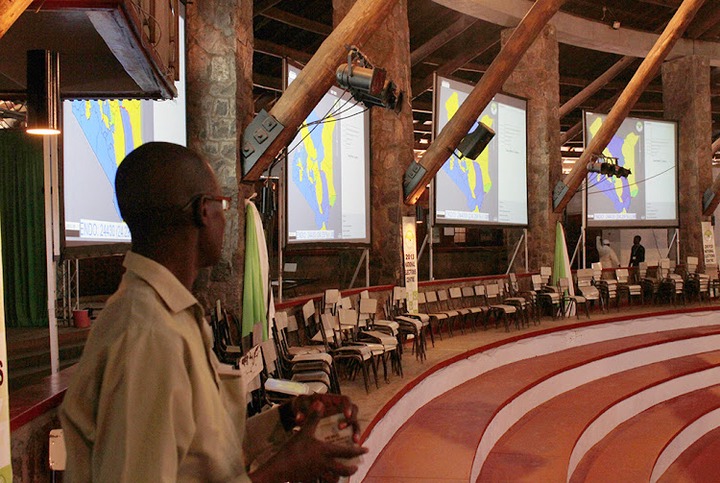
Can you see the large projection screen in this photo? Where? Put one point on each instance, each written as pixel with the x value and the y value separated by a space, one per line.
pixel 328 172
pixel 648 196
pixel 97 134
pixel 492 188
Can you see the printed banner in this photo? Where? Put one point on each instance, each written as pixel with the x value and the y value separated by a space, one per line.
pixel 708 243
pixel 410 262
pixel 5 461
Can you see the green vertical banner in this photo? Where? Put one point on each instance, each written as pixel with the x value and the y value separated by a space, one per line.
pixel 5 461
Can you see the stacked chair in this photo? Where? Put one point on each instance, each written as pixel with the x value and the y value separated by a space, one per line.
pixel 310 364
pixel 626 287
pixel 384 334
pixel 586 286
pixel 412 325
pixel 606 286
pixel 501 311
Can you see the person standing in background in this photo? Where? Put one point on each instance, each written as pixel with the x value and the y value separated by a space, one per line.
pixel 637 252
pixel 608 258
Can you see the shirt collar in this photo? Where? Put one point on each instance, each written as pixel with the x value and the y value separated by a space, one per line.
pixel 168 287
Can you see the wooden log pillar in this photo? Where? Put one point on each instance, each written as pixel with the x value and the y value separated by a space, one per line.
pixel 442 148
pixel 392 143
pixel 537 78
pixel 219 106
pixel 686 99
pixel 565 189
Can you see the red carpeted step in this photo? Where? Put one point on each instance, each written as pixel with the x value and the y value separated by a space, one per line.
pixel 538 447
pixel 700 463
pixel 439 441
pixel 629 452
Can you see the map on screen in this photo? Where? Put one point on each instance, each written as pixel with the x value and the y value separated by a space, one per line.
pixel 327 166
pixel 646 197
pixel 492 187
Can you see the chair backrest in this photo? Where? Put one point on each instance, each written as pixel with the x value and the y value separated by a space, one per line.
pixel 442 295
pixel 421 298
pixel 622 274
pixel 584 277
pixel 492 290
pixel 281 320
pixel 468 292
pixel 663 267
pixel 456 295
pixel 364 294
pixel 308 311
pixel 366 312
pixel 712 271
pixel 537 282
pixel 692 264
pixel 399 294
pixel 331 298
pixel 642 270
pixel 563 283
pixel 545 273
pixel 430 297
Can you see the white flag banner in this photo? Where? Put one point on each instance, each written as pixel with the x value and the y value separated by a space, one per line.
pixel 708 235
pixel 410 262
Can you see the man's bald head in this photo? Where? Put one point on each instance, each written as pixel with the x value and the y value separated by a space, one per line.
pixel 155 181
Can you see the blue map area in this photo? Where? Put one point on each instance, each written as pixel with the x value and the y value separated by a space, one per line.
pixel 305 170
pixel 458 169
pixel 98 125
pixel 619 195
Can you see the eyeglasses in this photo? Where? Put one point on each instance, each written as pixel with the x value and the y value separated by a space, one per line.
pixel 224 200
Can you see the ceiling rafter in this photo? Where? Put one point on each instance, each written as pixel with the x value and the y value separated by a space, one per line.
pixel 455 63
pixel 262 5
pixel 297 21
pixel 707 18
pixel 442 38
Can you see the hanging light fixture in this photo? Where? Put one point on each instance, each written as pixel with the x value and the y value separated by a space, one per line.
pixel 43 92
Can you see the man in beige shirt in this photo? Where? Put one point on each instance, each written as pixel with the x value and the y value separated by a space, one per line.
pixel 146 402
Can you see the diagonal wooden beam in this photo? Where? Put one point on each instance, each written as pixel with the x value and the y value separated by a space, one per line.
pixel 420 174
pixel 595 85
pixel 452 65
pixel 442 38
pixel 643 76
pixel 261 6
pixel 314 80
pixel 297 21
pixel 10 10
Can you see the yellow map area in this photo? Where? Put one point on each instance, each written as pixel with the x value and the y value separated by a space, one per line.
pixel 451 106
pixel 326 165
pixel 628 152
pixel 113 122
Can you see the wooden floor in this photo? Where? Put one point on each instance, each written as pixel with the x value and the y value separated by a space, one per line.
pixel 446 458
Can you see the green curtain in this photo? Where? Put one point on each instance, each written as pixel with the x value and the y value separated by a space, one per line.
pixel 22 221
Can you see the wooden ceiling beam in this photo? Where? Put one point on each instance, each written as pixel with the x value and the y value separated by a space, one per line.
pixel 442 38
pixel 453 64
pixel 595 85
pixel 262 5
pixel 649 68
pixel 271 48
pixel 297 21
pixel 10 10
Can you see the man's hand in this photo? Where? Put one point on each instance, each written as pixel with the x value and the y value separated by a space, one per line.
pixel 332 404
pixel 304 457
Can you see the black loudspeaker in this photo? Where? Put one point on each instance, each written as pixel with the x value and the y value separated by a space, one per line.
pixel 197 212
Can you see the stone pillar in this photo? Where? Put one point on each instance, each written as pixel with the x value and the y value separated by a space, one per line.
pixel 219 106
pixel 537 79
pixel 391 143
pixel 686 99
